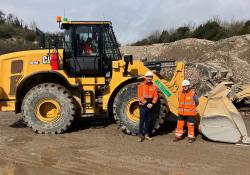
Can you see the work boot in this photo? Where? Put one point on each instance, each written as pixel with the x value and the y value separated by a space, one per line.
pixel 176 139
pixel 191 140
pixel 148 138
pixel 140 139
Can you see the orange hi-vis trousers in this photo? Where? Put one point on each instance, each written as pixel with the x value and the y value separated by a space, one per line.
pixel 180 124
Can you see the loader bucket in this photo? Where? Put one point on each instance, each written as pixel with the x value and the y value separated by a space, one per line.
pixel 220 120
pixel 245 93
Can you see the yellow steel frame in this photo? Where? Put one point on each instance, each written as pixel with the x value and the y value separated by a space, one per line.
pixel 136 70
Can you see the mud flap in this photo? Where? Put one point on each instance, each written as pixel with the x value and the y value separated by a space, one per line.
pixel 221 121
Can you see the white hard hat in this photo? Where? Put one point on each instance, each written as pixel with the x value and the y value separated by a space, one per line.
pixel 185 83
pixel 149 74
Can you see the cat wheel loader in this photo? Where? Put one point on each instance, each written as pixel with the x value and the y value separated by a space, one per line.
pixel 87 76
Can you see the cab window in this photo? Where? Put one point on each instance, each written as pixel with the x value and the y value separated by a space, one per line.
pixel 87 41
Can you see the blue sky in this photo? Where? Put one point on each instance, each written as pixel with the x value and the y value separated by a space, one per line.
pixel 132 19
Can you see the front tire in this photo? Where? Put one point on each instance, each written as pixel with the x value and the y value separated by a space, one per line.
pixel 48 108
pixel 126 110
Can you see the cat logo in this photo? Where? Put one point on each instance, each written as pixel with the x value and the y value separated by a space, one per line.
pixel 46 59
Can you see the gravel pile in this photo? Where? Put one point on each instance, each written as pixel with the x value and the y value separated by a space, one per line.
pixel 232 54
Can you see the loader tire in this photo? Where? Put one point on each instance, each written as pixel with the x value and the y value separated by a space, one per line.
pixel 126 110
pixel 48 108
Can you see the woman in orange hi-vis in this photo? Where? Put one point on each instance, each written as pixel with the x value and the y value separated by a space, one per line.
pixel 148 97
pixel 188 100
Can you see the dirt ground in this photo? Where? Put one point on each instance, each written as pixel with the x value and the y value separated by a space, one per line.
pixel 100 148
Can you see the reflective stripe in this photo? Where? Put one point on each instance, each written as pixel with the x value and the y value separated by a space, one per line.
pixel 178 133
pixel 187 103
pixel 187 110
pixel 191 136
pixel 191 130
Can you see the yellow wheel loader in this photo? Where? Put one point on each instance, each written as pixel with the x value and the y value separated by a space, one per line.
pixel 87 76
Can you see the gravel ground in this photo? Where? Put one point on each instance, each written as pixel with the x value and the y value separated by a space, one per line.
pixel 100 148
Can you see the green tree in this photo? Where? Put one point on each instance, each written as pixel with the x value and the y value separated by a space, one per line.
pixel 208 31
pixel 154 37
pixel 164 37
pixel 246 28
pixel 180 33
pixel 213 29
pixel 6 31
pixel 30 36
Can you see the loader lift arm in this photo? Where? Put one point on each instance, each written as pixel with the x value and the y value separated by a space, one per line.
pixel 158 65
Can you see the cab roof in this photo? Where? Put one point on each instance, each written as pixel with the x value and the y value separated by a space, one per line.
pixel 86 22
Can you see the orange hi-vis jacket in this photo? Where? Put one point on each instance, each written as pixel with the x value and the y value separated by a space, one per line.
pixel 87 49
pixel 187 103
pixel 147 93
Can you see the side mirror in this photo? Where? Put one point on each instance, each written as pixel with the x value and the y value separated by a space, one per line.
pixel 144 59
pixel 129 59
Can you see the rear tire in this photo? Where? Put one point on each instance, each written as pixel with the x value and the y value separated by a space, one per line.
pixel 48 108
pixel 130 124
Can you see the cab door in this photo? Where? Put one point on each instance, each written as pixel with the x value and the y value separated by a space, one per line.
pixel 86 58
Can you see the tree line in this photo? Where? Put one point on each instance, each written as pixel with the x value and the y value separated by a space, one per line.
pixel 213 30
pixel 15 35
pixel 12 26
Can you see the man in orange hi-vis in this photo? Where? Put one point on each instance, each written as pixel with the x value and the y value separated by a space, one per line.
pixel 148 97
pixel 188 101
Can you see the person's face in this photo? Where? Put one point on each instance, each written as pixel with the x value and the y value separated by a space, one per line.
pixel 185 88
pixel 149 79
pixel 89 41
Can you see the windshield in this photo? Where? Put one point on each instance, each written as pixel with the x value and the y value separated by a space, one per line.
pixel 87 40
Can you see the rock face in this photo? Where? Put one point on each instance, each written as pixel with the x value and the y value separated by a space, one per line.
pixel 232 54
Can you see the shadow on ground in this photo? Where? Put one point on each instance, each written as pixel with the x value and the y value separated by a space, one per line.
pixel 99 122
pixel 78 124
pixel 90 122
pixel 19 124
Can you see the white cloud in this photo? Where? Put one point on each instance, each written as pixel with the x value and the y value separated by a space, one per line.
pixel 132 19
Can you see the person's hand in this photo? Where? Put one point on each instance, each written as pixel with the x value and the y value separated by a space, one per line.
pixel 149 106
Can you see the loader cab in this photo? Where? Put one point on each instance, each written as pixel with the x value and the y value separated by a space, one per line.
pixel 89 48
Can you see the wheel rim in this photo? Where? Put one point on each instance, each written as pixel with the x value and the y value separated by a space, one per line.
pixel 133 110
pixel 48 110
